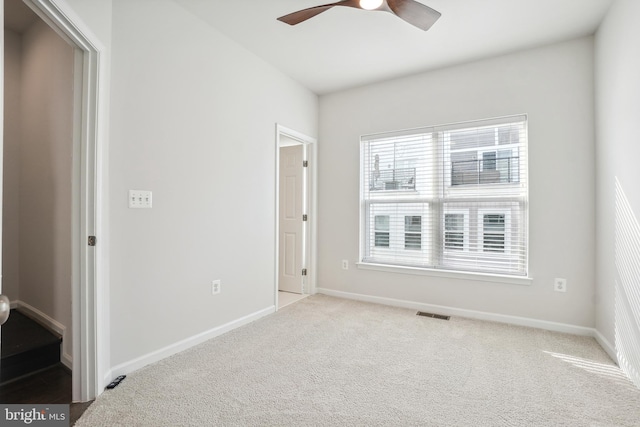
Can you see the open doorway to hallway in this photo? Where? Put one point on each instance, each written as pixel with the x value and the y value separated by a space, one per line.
pixel 88 200
pixel 38 169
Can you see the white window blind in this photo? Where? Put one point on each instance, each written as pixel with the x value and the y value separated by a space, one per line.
pixel 447 197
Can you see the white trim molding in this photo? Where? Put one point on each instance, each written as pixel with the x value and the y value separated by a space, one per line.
pixel 451 274
pixel 90 342
pixel 311 257
pixel 170 350
pixel 49 323
pixel 606 345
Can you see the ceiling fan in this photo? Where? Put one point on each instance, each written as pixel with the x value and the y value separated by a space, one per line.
pixel 411 11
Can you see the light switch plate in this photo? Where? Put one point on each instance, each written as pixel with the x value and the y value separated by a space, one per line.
pixel 140 199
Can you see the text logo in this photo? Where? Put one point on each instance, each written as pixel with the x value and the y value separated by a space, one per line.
pixel 34 415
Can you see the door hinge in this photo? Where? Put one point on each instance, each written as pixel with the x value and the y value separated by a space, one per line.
pixel 92 241
pixel 305 163
pixel 305 217
pixel 304 271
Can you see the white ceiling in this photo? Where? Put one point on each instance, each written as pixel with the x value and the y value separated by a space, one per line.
pixel 347 47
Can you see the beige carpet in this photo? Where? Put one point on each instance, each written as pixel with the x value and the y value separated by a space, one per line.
pixel 331 362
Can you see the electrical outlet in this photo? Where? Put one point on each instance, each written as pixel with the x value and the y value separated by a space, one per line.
pixel 560 285
pixel 345 264
pixel 215 286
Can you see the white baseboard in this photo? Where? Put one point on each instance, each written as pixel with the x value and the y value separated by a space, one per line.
pixel 170 350
pixel 452 311
pixel 50 323
pixel 67 361
pixel 606 345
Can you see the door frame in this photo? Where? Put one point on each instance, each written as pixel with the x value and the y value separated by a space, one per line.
pixel 89 117
pixel 311 208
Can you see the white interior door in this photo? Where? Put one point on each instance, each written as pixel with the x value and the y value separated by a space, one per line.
pixel 291 238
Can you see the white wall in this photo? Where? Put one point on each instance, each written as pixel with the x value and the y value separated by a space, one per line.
pixel 193 119
pixel 618 175
pixel 554 86
pixel 11 166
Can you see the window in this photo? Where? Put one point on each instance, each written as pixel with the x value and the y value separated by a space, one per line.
pixel 454 231
pixel 447 197
pixel 382 231
pixel 413 232
pixel 493 228
pixel 393 168
pixel 489 160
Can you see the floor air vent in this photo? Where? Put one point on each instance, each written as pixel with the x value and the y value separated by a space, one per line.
pixel 433 315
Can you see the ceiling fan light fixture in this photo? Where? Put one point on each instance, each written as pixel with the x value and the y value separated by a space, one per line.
pixel 370 4
pixel 410 11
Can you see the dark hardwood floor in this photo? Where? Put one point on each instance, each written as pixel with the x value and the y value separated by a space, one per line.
pixel 49 386
pixel 30 368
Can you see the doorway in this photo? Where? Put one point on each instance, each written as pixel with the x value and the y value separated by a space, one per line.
pixel 86 112
pixel 37 182
pixel 295 216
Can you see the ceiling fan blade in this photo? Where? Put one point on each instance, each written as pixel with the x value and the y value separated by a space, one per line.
pixel 304 14
pixel 414 13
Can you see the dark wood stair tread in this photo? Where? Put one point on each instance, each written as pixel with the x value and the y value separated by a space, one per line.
pixel 21 334
pixel 27 347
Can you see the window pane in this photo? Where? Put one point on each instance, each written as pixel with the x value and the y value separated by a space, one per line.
pixel 454 222
pixel 494 222
pixel 464 168
pixel 382 222
pixel 413 241
pixel 454 231
pixel 508 135
pixel 381 236
pixel 413 223
pixel 489 161
pixel 393 165
pixel 493 242
pixel 472 138
pixel 504 154
pixel 381 239
pixel 454 240
pixel 413 235
pixel 509 165
pixel 493 233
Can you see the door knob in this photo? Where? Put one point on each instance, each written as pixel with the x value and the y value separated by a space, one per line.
pixel 5 308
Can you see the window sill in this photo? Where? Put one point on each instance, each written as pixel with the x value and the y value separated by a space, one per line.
pixel 461 275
